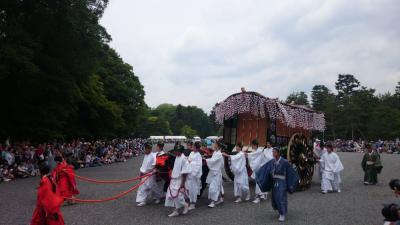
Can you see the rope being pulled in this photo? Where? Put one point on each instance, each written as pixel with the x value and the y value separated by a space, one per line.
pixel 146 176
pixel 108 181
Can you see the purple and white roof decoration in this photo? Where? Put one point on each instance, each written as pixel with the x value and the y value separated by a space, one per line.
pixel 258 105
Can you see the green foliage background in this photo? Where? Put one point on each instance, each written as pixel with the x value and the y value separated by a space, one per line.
pixel 357 111
pixel 60 79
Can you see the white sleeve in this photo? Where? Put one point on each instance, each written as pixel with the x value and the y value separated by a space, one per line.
pixel 238 161
pixel 196 165
pixel 214 162
pixel 185 169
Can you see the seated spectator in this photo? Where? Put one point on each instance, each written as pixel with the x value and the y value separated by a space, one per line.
pixel 21 171
pixel 31 169
pixel 7 173
pixel 22 159
pixel 88 160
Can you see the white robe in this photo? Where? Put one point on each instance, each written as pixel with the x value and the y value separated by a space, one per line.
pixel 175 196
pixel 214 177
pixel 331 167
pixel 241 181
pixel 257 159
pixel 268 154
pixel 146 188
pixel 194 178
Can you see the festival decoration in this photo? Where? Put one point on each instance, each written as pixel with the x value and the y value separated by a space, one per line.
pixel 258 105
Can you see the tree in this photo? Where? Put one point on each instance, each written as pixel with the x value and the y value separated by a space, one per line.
pixel 154 126
pixel 188 131
pixel 298 98
pixel 178 116
pixel 320 96
pixel 346 86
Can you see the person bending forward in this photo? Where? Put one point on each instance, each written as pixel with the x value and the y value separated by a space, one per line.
pixel 239 170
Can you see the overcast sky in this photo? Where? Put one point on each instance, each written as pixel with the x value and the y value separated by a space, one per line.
pixel 200 52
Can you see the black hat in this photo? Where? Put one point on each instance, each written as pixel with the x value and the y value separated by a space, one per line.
pixel 390 212
pixel 276 149
pixel 58 159
pixel 329 145
pixel 197 144
pixel 254 142
pixel 178 147
pixel 147 145
pixel 160 144
pixel 395 184
pixel 44 169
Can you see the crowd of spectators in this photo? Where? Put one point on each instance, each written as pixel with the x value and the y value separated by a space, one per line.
pixel 22 159
pixel 387 146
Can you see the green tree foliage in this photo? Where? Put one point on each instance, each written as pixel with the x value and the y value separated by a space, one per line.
pixel 187 131
pixel 356 111
pixel 320 97
pixel 186 120
pixel 346 86
pixel 154 125
pixel 58 76
pixel 298 98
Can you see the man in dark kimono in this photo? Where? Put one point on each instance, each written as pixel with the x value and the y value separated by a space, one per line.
pixel 279 177
pixel 371 165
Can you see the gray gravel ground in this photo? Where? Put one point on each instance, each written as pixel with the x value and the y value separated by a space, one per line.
pixel 357 204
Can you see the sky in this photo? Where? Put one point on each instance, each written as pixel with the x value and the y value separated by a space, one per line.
pixel 200 52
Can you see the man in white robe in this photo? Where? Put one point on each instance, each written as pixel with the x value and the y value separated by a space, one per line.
pixel 239 170
pixel 177 190
pixel 145 190
pixel 331 167
pixel 257 158
pixel 214 177
pixel 194 178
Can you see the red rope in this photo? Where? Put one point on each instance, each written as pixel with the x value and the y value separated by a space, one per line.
pixel 177 193
pixel 113 197
pixel 108 181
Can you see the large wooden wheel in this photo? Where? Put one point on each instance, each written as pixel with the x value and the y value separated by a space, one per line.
pixel 300 155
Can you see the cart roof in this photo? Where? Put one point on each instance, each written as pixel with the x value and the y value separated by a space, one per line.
pixel 259 105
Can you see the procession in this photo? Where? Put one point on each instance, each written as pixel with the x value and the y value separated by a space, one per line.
pixel 175 179
pixel 199 112
pixel 265 159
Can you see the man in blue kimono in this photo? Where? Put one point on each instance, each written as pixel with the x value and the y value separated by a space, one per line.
pixel 279 177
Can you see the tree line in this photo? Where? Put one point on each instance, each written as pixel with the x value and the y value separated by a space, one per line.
pixel 168 119
pixel 354 111
pixel 60 79
pixel 58 76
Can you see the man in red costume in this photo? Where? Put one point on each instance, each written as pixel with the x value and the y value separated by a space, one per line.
pixel 48 203
pixel 64 177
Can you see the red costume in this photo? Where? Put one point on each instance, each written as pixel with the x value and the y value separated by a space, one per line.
pixel 48 204
pixel 64 177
